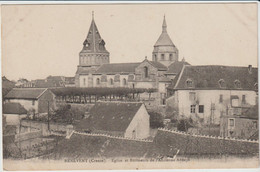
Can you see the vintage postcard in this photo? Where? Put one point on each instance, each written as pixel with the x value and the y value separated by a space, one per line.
pixel 130 86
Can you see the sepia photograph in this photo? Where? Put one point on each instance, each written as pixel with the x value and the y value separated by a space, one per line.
pixel 129 86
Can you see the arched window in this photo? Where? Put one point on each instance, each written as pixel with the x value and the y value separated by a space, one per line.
pixel 170 57
pixel 146 72
pixel 162 56
pixel 237 84
pixel 189 83
pixel 111 81
pixel 124 81
pixel 98 81
pixel 155 57
pixel 221 83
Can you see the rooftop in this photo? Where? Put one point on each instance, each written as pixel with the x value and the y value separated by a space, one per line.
pixel 117 68
pixel 14 108
pixel 216 77
pixel 109 116
pixel 25 93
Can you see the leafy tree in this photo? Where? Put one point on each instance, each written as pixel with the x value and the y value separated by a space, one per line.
pixel 184 124
pixel 156 120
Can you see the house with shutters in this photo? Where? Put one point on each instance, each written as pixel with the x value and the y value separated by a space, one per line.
pixel 35 100
pixel 125 119
pixel 205 93
pixel 242 125
pixel 95 69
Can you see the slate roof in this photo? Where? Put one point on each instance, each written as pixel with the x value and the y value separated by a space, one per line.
pixel 158 65
pixel 176 67
pixel 164 39
pixel 93 40
pixel 251 113
pixel 25 93
pixel 208 77
pixel 70 80
pixel 117 68
pixel 14 108
pixel 109 116
pixel 43 83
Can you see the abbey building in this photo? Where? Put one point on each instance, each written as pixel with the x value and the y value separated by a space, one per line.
pixel 95 69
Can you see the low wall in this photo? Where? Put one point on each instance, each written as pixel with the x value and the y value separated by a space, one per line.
pixel 28 135
pixel 169 142
pixel 44 126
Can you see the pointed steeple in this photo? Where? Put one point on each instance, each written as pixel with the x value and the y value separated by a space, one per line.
pixel 164 26
pixel 164 38
pixel 93 41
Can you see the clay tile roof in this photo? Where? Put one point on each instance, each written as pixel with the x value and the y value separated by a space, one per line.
pixel 109 116
pixel 208 77
pixel 117 68
pixel 176 67
pixel 14 108
pixel 25 93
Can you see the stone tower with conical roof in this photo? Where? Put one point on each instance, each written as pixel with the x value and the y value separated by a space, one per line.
pixel 92 55
pixel 164 50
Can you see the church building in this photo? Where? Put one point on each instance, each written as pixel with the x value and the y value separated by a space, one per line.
pixel 95 69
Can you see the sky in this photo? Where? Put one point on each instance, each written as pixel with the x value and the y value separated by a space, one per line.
pixel 43 40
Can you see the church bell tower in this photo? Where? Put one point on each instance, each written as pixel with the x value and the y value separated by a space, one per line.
pixel 93 53
pixel 164 50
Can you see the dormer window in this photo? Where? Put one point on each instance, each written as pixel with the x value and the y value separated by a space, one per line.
pixel 189 83
pixel 237 84
pixel 222 83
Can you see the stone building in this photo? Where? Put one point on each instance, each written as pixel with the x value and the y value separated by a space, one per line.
pixel 126 119
pixel 95 69
pixel 205 93
pixel 34 100
pixel 241 125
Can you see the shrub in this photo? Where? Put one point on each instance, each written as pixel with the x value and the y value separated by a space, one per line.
pixel 156 120
pixel 184 124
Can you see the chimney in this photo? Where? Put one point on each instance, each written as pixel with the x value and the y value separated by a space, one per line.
pixel 250 69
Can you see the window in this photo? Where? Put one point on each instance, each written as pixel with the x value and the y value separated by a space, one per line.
pixel 124 81
pixel 231 122
pixel 192 96
pixel 111 81
pixel 84 81
pixel 155 57
pixel 221 98
pixel 192 108
pixel 189 83
pixel 146 72
pixel 98 81
pixel 201 108
pixel 221 83
pixel 237 84
pixel 243 99
pixel 162 56
pixel 170 57
pixel 33 102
